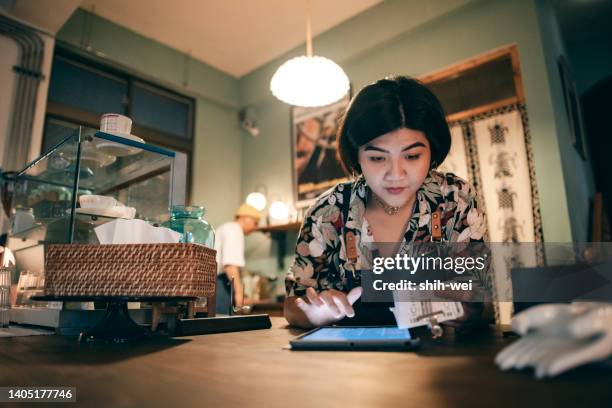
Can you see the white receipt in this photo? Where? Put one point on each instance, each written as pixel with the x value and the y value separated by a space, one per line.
pixel 422 313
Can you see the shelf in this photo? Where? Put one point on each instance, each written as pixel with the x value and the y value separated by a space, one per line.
pixel 279 234
pixel 292 226
pixel 38 232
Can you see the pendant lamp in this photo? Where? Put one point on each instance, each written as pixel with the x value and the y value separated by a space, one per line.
pixel 309 80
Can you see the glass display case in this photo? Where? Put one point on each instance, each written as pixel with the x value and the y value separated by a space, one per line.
pixel 47 204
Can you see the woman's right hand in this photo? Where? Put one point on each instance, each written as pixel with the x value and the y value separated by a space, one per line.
pixel 327 306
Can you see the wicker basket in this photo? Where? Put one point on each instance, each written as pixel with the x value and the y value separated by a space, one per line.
pixel 130 270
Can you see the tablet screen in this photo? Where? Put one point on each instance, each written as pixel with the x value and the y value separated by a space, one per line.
pixel 358 334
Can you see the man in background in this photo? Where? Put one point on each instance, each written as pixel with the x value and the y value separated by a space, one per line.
pixel 229 243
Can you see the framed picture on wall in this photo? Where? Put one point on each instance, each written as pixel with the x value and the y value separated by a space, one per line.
pixel 572 107
pixel 314 150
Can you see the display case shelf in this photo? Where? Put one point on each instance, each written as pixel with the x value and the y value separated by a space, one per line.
pixel 39 231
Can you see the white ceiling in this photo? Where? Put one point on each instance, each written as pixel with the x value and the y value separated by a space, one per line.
pixel 37 13
pixel 234 36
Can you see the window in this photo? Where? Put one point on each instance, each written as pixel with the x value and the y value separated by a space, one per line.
pixel 82 87
pixel 56 130
pixel 159 110
pixel 483 83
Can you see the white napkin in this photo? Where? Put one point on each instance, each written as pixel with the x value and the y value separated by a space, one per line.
pixel 8 259
pixel 122 231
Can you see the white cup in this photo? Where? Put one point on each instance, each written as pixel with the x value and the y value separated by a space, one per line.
pixel 23 219
pixel 116 123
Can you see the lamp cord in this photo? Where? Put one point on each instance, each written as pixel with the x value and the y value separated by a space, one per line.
pixel 308 31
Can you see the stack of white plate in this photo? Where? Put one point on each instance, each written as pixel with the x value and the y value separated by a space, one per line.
pixel 104 206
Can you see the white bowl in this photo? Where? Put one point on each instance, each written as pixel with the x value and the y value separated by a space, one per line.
pixel 97 201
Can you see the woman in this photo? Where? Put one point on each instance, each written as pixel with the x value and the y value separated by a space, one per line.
pixel 391 138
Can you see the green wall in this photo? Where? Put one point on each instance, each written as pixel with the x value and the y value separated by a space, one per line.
pixel 579 182
pixel 591 61
pixel 590 52
pixel 217 159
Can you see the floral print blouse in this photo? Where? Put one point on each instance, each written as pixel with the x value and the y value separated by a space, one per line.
pixel 320 256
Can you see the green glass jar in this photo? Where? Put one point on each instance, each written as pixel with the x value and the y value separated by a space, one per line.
pixel 189 222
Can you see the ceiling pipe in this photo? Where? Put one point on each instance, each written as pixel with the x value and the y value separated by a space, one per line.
pixel 28 70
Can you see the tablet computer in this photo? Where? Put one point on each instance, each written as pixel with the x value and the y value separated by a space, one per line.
pixel 355 338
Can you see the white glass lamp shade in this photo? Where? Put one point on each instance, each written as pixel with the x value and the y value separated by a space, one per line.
pixel 309 82
pixel 257 200
pixel 279 211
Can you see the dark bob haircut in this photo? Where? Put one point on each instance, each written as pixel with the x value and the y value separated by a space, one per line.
pixel 387 105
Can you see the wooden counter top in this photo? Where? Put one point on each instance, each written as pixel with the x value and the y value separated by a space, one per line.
pixel 251 369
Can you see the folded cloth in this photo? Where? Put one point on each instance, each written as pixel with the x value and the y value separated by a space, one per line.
pixel 559 337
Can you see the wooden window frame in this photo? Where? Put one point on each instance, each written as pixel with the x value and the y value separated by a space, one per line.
pixel 467 65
